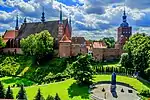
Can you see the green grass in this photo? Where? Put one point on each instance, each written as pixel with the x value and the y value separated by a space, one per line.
pixel 69 90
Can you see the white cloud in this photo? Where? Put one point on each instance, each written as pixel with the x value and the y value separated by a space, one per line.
pixel 95 19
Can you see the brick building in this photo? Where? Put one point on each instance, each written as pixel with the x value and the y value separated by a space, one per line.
pixel 64 43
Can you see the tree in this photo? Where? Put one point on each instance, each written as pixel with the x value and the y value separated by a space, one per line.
pixel 21 94
pixel 57 97
pixel 39 96
pixel 50 97
pixel 2 91
pixel 9 94
pixel 110 42
pixel 38 45
pixel 82 70
pixel 2 44
pixel 138 47
pixel 126 61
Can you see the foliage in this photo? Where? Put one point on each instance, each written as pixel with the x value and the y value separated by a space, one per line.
pixel 147 72
pixel 2 44
pixel 2 91
pixel 9 94
pixel 21 94
pixel 49 97
pixel 110 42
pixel 57 97
pixel 38 45
pixel 82 70
pixel 138 47
pixel 126 61
pixel 39 96
pixel 145 93
pixel 9 66
pixel 69 90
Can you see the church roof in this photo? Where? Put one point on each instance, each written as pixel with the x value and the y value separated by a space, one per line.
pixel 65 39
pixel 78 40
pixel 9 34
pixel 36 27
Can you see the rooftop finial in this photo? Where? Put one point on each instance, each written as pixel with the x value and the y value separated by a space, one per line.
pixel 17 26
pixel 25 20
pixel 60 20
pixel 43 16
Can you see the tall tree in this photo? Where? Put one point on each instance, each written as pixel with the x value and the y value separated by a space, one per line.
pixel 126 61
pixel 21 94
pixel 39 96
pixel 2 91
pixel 38 45
pixel 138 47
pixel 9 94
pixel 82 69
pixel 57 97
pixel 50 97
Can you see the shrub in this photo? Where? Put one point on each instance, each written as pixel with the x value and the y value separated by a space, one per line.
pixel 145 93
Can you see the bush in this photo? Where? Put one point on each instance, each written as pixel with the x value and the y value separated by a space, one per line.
pixel 145 93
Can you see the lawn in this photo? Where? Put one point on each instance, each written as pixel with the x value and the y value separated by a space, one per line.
pixel 68 90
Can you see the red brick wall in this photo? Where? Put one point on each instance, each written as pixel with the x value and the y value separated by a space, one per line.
pixel 64 49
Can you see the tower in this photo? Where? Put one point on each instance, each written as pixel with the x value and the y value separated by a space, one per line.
pixel 60 26
pixel 43 16
pixel 17 25
pixel 124 31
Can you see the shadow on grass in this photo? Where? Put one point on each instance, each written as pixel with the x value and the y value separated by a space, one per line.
pixel 76 90
pixel 17 80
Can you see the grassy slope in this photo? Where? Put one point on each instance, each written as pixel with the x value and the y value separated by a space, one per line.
pixel 68 90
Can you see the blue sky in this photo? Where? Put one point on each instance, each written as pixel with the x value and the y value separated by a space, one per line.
pixel 92 19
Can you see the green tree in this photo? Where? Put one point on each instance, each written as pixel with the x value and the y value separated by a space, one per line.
pixel 126 61
pixel 82 70
pixel 21 94
pixel 110 42
pixel 39 95
pixel 138 47
pixel 50 97
pixel 2 91
pixel 38 45
pixel 2 44
pixel 9 94
pixel 57 97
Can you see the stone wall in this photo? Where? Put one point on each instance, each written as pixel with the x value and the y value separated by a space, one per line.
pixel 13 50
pixel 106 53
pixel 64 49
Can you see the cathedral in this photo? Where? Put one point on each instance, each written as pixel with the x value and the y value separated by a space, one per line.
pixel 64 43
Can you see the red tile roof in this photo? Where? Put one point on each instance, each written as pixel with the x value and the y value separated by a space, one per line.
pixel 65 39
pixel 99 44
pixel 10 34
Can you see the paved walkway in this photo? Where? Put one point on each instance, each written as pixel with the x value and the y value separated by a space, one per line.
pixel 107 95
